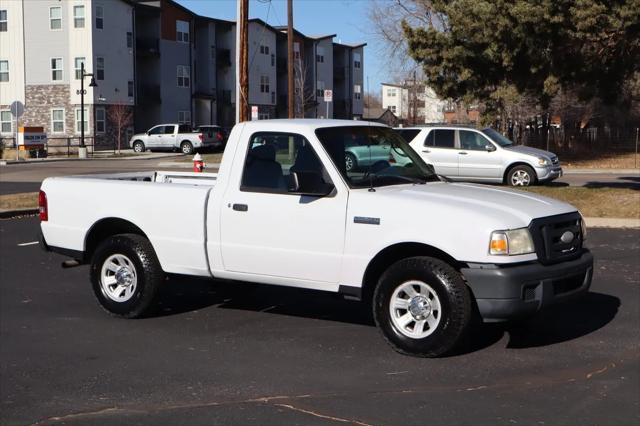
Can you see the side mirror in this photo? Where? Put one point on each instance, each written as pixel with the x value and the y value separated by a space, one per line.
pixel 310 183
pixel 489 147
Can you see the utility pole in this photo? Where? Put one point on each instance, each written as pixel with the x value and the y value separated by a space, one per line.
pixel 290 76
pixel 242 62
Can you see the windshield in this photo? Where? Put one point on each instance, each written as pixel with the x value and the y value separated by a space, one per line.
pixel 497 137
pixel 373 156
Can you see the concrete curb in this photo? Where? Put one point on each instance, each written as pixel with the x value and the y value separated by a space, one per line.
pixel 609 222
pixel 569 171
pixel 10 214
pixel 180 165
pixel 55 160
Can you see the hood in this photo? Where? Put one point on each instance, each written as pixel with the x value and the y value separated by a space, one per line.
pixel 530 151
pixel 505 208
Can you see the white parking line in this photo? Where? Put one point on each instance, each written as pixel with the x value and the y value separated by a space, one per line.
pixel 27 244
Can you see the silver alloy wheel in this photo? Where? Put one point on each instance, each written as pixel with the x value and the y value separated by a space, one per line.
pixel 415 309
pixel 348 162
pixel 520 178
pixel 118 278
pixel 137 147
pixel 186 148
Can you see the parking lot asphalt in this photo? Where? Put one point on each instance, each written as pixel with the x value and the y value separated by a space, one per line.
pixel 236 353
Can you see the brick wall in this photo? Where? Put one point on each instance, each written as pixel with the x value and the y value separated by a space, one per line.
pixel 40 99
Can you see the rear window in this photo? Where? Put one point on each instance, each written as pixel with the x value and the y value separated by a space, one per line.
pixel 441 138
pixel 407 134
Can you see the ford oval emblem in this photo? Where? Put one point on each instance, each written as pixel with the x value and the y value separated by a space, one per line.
pixel 567 237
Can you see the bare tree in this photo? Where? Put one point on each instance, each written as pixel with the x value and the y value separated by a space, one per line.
pixel 305 98
pixel 120 116
pixel 372 100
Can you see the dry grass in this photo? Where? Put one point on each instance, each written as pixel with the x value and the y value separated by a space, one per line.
pixel 596 202
pixel 600 161
pixel 26 200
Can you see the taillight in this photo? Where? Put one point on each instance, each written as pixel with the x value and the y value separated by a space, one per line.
pixel 392 159
pixel 42 206
pixel 219 136
pixel 201 137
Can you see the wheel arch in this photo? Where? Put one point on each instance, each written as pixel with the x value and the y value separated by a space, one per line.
pixel 516 164
pixel 393 253
pixel 105 228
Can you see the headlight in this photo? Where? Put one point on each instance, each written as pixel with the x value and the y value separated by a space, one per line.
pixel 543 161
pixel 510 243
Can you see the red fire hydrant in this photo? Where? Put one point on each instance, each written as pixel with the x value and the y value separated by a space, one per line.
pixel 198 163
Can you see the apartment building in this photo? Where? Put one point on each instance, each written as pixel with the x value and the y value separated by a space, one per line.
pixel 158 62
pixel 400 99
pixel 42 46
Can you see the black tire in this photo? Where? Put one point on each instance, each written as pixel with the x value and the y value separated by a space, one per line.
pixel 149 274
pixel 186 148
pixel 138 146
pixel 350 162
pixel 521 176
pixel 454 300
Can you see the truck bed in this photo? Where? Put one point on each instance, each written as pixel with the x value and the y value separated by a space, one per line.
pixel 168 207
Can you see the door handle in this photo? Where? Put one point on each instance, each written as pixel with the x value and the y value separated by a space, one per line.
pixel 426 150
pixel 240 207
pixel 462 153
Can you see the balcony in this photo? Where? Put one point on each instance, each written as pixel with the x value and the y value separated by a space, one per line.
pixel 339 73
pixel 148 94
pixel 148 46
pixel 223 57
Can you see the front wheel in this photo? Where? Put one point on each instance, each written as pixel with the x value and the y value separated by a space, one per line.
pixel 125 275
pixel 521 176
pixel 422 306
pixel 138 146
pixel 186 148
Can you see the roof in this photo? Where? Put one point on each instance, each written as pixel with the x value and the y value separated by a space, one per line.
pixel 447 125
pixel 321 36
pixel 351 45
pixel 305 123
pixel 393 85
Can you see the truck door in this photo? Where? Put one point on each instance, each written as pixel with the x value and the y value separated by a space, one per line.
pixel 168 139
pixel 155 136
pixel 267 230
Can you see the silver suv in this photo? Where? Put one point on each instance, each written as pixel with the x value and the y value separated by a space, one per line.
pixel 465 153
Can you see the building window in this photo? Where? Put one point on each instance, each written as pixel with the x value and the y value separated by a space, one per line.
pixel 4 71
pixel 391 92
pixel 296 50
pixel 393 108
pixel 320 89
pixel 184 76
pixel 99 17
pixel 101 120
pixel 184 117
pixel 264 49
pixel 6 122
pixel 55 18
pixel 356 60
pixel 320 55
pixel 182 31
pixel 78 16
pixel 213 52
pixel 273 98
pixel 129 39
pixel 273 60
pixel 100 67
pixel 78 65
pixel 3 20
pixel 79 125
pixel 357 91
pixel 130 89
pixel 56 69
pixel 264 84
pixel 57 120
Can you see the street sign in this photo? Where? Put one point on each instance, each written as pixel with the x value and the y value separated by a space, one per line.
pixel 17 108
pixel 254 112
pixel 328 95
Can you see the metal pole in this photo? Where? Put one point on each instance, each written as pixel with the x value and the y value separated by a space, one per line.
pixel 635 161
pixel 82 104
pixel 290 83
pixel 327 116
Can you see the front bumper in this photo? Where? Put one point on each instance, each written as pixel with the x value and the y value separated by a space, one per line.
pixel 510 292
pixel 548 174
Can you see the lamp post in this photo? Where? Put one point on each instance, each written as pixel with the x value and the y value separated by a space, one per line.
pixel 82 149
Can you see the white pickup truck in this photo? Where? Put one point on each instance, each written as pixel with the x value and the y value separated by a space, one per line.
pixel 284 210
pixel 172 137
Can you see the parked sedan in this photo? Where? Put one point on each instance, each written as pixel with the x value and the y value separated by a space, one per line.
pixel 468 154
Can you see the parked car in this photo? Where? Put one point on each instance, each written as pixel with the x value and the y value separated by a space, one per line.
pixel 218 134
pixel 468 154
pixel 171 137
pixel 284 210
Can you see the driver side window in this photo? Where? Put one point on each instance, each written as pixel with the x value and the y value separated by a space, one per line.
pixel 273 158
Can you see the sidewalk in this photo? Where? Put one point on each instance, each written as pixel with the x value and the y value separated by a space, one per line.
pixel 98 155
pixel 571 171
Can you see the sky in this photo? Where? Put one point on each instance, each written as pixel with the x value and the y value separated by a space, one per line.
pixel 346 18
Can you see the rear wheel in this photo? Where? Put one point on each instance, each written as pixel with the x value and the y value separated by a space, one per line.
pixel 422 306
pixel 521 176
pixel 138 146
pixel 350 161
pixel 125 275
pixel 186 148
